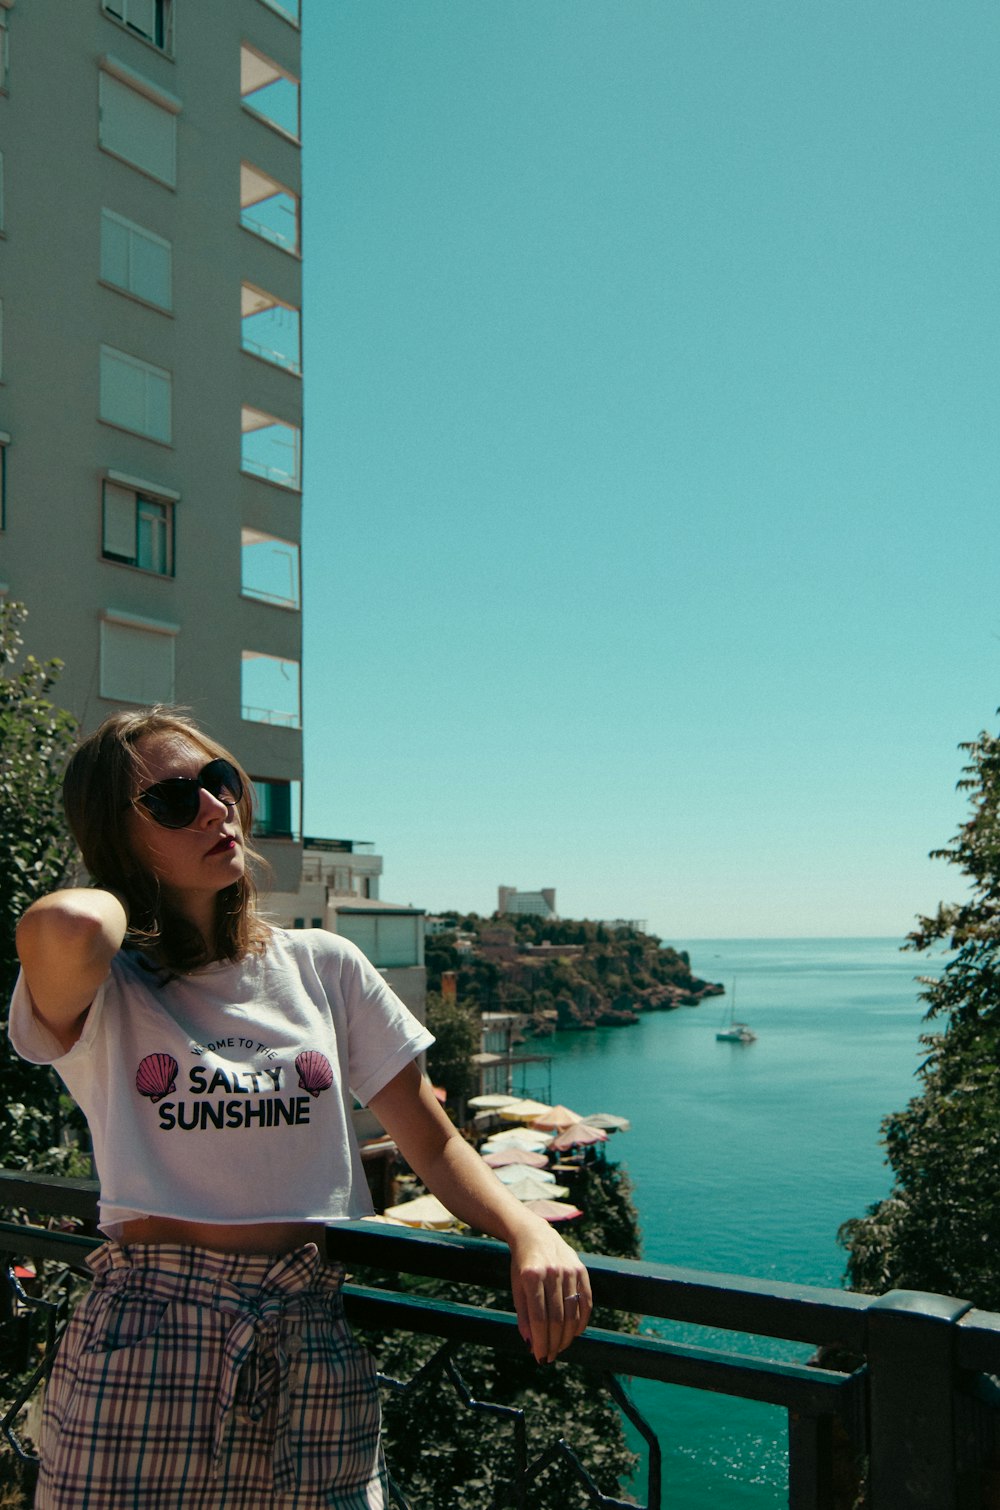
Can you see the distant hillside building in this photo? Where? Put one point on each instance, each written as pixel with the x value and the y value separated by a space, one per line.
pixel 540 904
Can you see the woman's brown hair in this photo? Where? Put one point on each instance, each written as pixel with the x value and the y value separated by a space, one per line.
pixel 99 789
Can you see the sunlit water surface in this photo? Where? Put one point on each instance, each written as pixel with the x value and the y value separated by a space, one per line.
pixel 746 1158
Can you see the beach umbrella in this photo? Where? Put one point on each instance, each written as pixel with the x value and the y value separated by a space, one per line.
pixel 533 1148
pixel 506 1156
pixel 556 1118
pixel 607 1121
pixel 527 1188
pixel 523 1111
pixel 509 1174
pixel 520 1137
pixel 579 1135
pixel 492 1102
pixel 554 1211
pixel 424 1211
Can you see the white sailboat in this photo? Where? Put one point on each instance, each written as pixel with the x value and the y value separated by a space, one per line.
pixel 735 1032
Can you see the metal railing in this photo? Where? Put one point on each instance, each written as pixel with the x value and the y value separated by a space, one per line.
pixel 287 360
pixel 269 716
pixel 907 1385
pixel 268 232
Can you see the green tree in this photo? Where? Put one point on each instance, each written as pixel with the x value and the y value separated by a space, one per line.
pixel 36 856
pixel 938 1227
pixel 456 1034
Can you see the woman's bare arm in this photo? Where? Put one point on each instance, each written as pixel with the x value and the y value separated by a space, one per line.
pixel 545 1271
pixel 66 942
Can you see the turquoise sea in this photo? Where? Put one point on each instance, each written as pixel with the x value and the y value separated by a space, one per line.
pixel 746 1158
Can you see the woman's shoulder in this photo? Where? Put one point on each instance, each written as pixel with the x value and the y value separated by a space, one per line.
pixel 318 944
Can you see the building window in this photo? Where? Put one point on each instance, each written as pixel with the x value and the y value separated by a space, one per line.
pixel 137 659
pixel 270 328
pixel 150 19
pixel 269 90
pixel 1 193
pixel 137 530
pixel 270 688
pixel 270 569
pixel 134 127
pixel 4 443
pixel 135 395
pixel 270 448
pixel 268 208
pixel 136 260
pixel 4 51
pixel 276 814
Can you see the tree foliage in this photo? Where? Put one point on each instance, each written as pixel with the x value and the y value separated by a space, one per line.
pixel 36 856
pixel 608 974
pixel 939 1227
pixel 456 1038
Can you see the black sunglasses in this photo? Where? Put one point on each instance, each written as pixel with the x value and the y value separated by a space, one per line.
pixel 174 803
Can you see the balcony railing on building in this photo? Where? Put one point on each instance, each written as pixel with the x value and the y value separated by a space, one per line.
pixel 903 1388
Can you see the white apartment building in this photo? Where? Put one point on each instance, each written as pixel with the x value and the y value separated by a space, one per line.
pixel 150 366
pixel 333 870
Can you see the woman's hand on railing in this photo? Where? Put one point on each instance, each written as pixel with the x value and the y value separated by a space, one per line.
pixel 550 1286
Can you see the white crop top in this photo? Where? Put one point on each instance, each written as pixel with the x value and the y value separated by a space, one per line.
pixel 224 1095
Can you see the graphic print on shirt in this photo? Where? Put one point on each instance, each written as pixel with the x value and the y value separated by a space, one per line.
pixel 245 1096
pixel 156 1076
pixel 315 1073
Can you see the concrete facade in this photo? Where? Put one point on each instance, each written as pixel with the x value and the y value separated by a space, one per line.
pixel 126 379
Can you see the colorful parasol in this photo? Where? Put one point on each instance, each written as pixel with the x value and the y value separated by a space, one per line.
pixel 556 1118
pixel 527 1188
pixel 521 1137
pixel 509 1156
pixel 423 1211
pixel 523 1111
pixel 509 1174
pixel 554 1211
pixel 579 1135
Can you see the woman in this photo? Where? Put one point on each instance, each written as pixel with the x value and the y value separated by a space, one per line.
pixel 212 1054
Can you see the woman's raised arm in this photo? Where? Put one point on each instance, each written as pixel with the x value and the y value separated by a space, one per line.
pixel 66 942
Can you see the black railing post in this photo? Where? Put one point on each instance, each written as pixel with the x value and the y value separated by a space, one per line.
pixel 911 1362
pixel 810 1462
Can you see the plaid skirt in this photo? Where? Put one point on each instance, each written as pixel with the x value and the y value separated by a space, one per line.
pixel 195 1380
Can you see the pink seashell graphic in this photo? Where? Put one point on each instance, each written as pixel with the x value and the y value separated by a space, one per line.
pixel 156 1076
pixel 315 1074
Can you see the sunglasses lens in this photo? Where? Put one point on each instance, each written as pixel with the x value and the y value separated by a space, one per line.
pixel 174 803
pixel 222 780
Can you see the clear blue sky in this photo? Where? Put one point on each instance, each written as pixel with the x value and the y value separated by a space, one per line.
pixel 652 450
